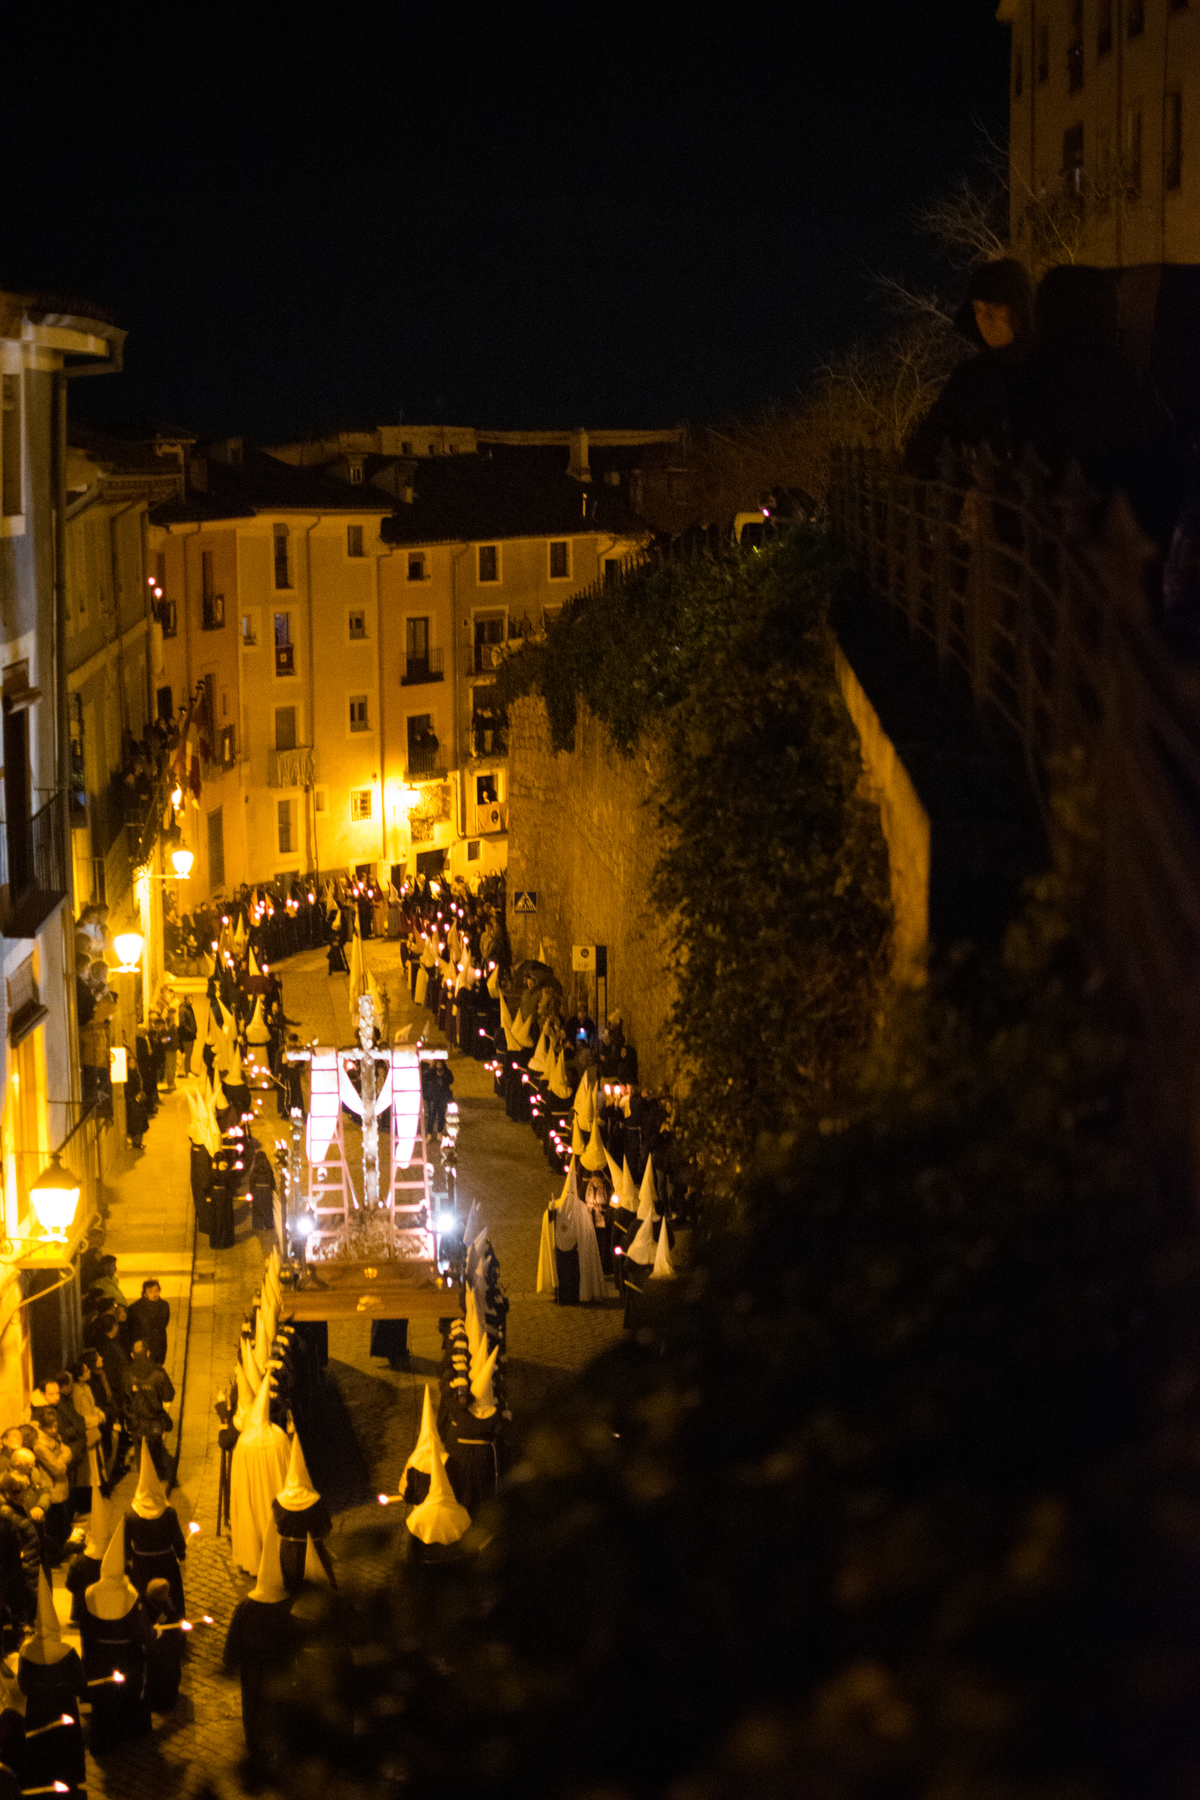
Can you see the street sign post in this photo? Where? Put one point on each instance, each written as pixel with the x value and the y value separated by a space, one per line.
pixel 525 900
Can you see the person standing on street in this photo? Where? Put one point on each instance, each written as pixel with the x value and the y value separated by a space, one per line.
pixel 149 1318
pixel 186 1032
pixel 147 1391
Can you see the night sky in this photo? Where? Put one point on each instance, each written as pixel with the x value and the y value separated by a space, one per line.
pixel 624 217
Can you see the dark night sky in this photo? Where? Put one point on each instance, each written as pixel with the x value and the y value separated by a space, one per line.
pixel 621 217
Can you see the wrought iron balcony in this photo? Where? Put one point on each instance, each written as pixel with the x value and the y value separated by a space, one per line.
pixel 36 869
pixel 489 740
pixel 419 669
pixel 426 765
pixel 285 659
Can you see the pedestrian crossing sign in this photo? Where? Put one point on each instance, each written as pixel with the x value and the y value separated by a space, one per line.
pixel 525 900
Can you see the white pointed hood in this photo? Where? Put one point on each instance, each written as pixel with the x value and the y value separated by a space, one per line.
pixel 537 1062
pixel 99 1528
pixel 428 1444
pixel 641 1250
pixel 268 1587
pixel 594 1155
pixel 585 1104
pixel 252 968
pixel 297 1493
pixel 114 1595
pixel 45 1645
pixel 150 1502
pixel 560 1087
pixel 482 1392
pixel 648 1193
pixel 439 1519
pixel 476 1341
pixel 664 1268
pixel 627 1189
pixel 578 1141
pixel 258 1031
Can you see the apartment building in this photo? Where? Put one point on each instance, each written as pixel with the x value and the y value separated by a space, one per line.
pixel 1104 112
pixel 340 609
pixel 44 342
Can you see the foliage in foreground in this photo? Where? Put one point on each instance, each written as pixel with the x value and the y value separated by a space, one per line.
pixel 901 1502
pixel 773 875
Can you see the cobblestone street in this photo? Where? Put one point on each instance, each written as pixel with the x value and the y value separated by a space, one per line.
pixel 369 1414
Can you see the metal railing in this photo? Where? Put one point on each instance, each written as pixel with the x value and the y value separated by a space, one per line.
pixel 419 669
pixel 1051 622
pixel 427 765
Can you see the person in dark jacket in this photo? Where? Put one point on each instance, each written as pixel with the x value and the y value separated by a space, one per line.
pixel 262 1193
pixel 975 406
pixel 186 1030
pixel 149 1318
pixel 137 1115
pixel 1078 398
pixel 147 1391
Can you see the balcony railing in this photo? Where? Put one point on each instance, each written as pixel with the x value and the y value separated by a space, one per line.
pixel 292 768
pixel 37 869
pixel 285 659
pixel 488 657
pixel 489 740
pixel 418 669
pixel 427 765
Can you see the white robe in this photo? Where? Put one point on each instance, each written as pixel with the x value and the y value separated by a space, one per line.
pixel 261 1458
pixel 574 1229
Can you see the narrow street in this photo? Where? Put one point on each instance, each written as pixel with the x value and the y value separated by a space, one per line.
pixel 370 1413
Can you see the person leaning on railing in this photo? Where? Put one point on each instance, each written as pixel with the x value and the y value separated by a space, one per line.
pixel 975 406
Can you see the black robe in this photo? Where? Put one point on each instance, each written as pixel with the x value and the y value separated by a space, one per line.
pixel 116 1646
pixel 154 1549
pixel 295 1529
pixel 52 1751
pixel 259 1646
pixel 164 1667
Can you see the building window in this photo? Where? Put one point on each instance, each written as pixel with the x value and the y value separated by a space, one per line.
pixel 285 810
pixel 1104 29
pixel 283 557
pixel 354 541
pixel 1018 83
pixel 10 446
pixel 489 642
pixel 250 630
pixel 207 581
pixel 360 805
pixel 1075 48
pixel 1043 53
pixel 358 713
pixel 416 568
pixel 285 728
pixel 1172 140
pixel 167 615
pixel 319 794
pixel 1072 163
pixel 356 474
pixel 473 847
pixel 285 653
pixel 489 562
pixel 406 449
pixel 422 744
pixel 1133 152
pixel 1135 18
pixel 560 561
pixel 357 624
pixel 228 747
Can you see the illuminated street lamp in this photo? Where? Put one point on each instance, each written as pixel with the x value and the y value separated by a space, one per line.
pixel 181 862
pixel 55 1196
pixel 128 946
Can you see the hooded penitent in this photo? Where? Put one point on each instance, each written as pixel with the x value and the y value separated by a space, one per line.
pixel 574 1230
pixel 46 1643
pixel 664 1268
pixel 439 1519
pixel 595 1156
pixel 627 1194
pixel 476 1341
pixel 483 1397
pixel 297 1493
pixel 114 1594
pixel 537 1062
pixel 150 1502
pixel 268 1587
pixel 585 1105
pixel 258 1031
pixel 648 1197
pixel 428 1447
pixel 260 1469
pixel 641 1250
pixel 578 1141
pixel 557 1078
pixel 99 1527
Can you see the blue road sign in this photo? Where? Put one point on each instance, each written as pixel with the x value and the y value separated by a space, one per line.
pixel 525 900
